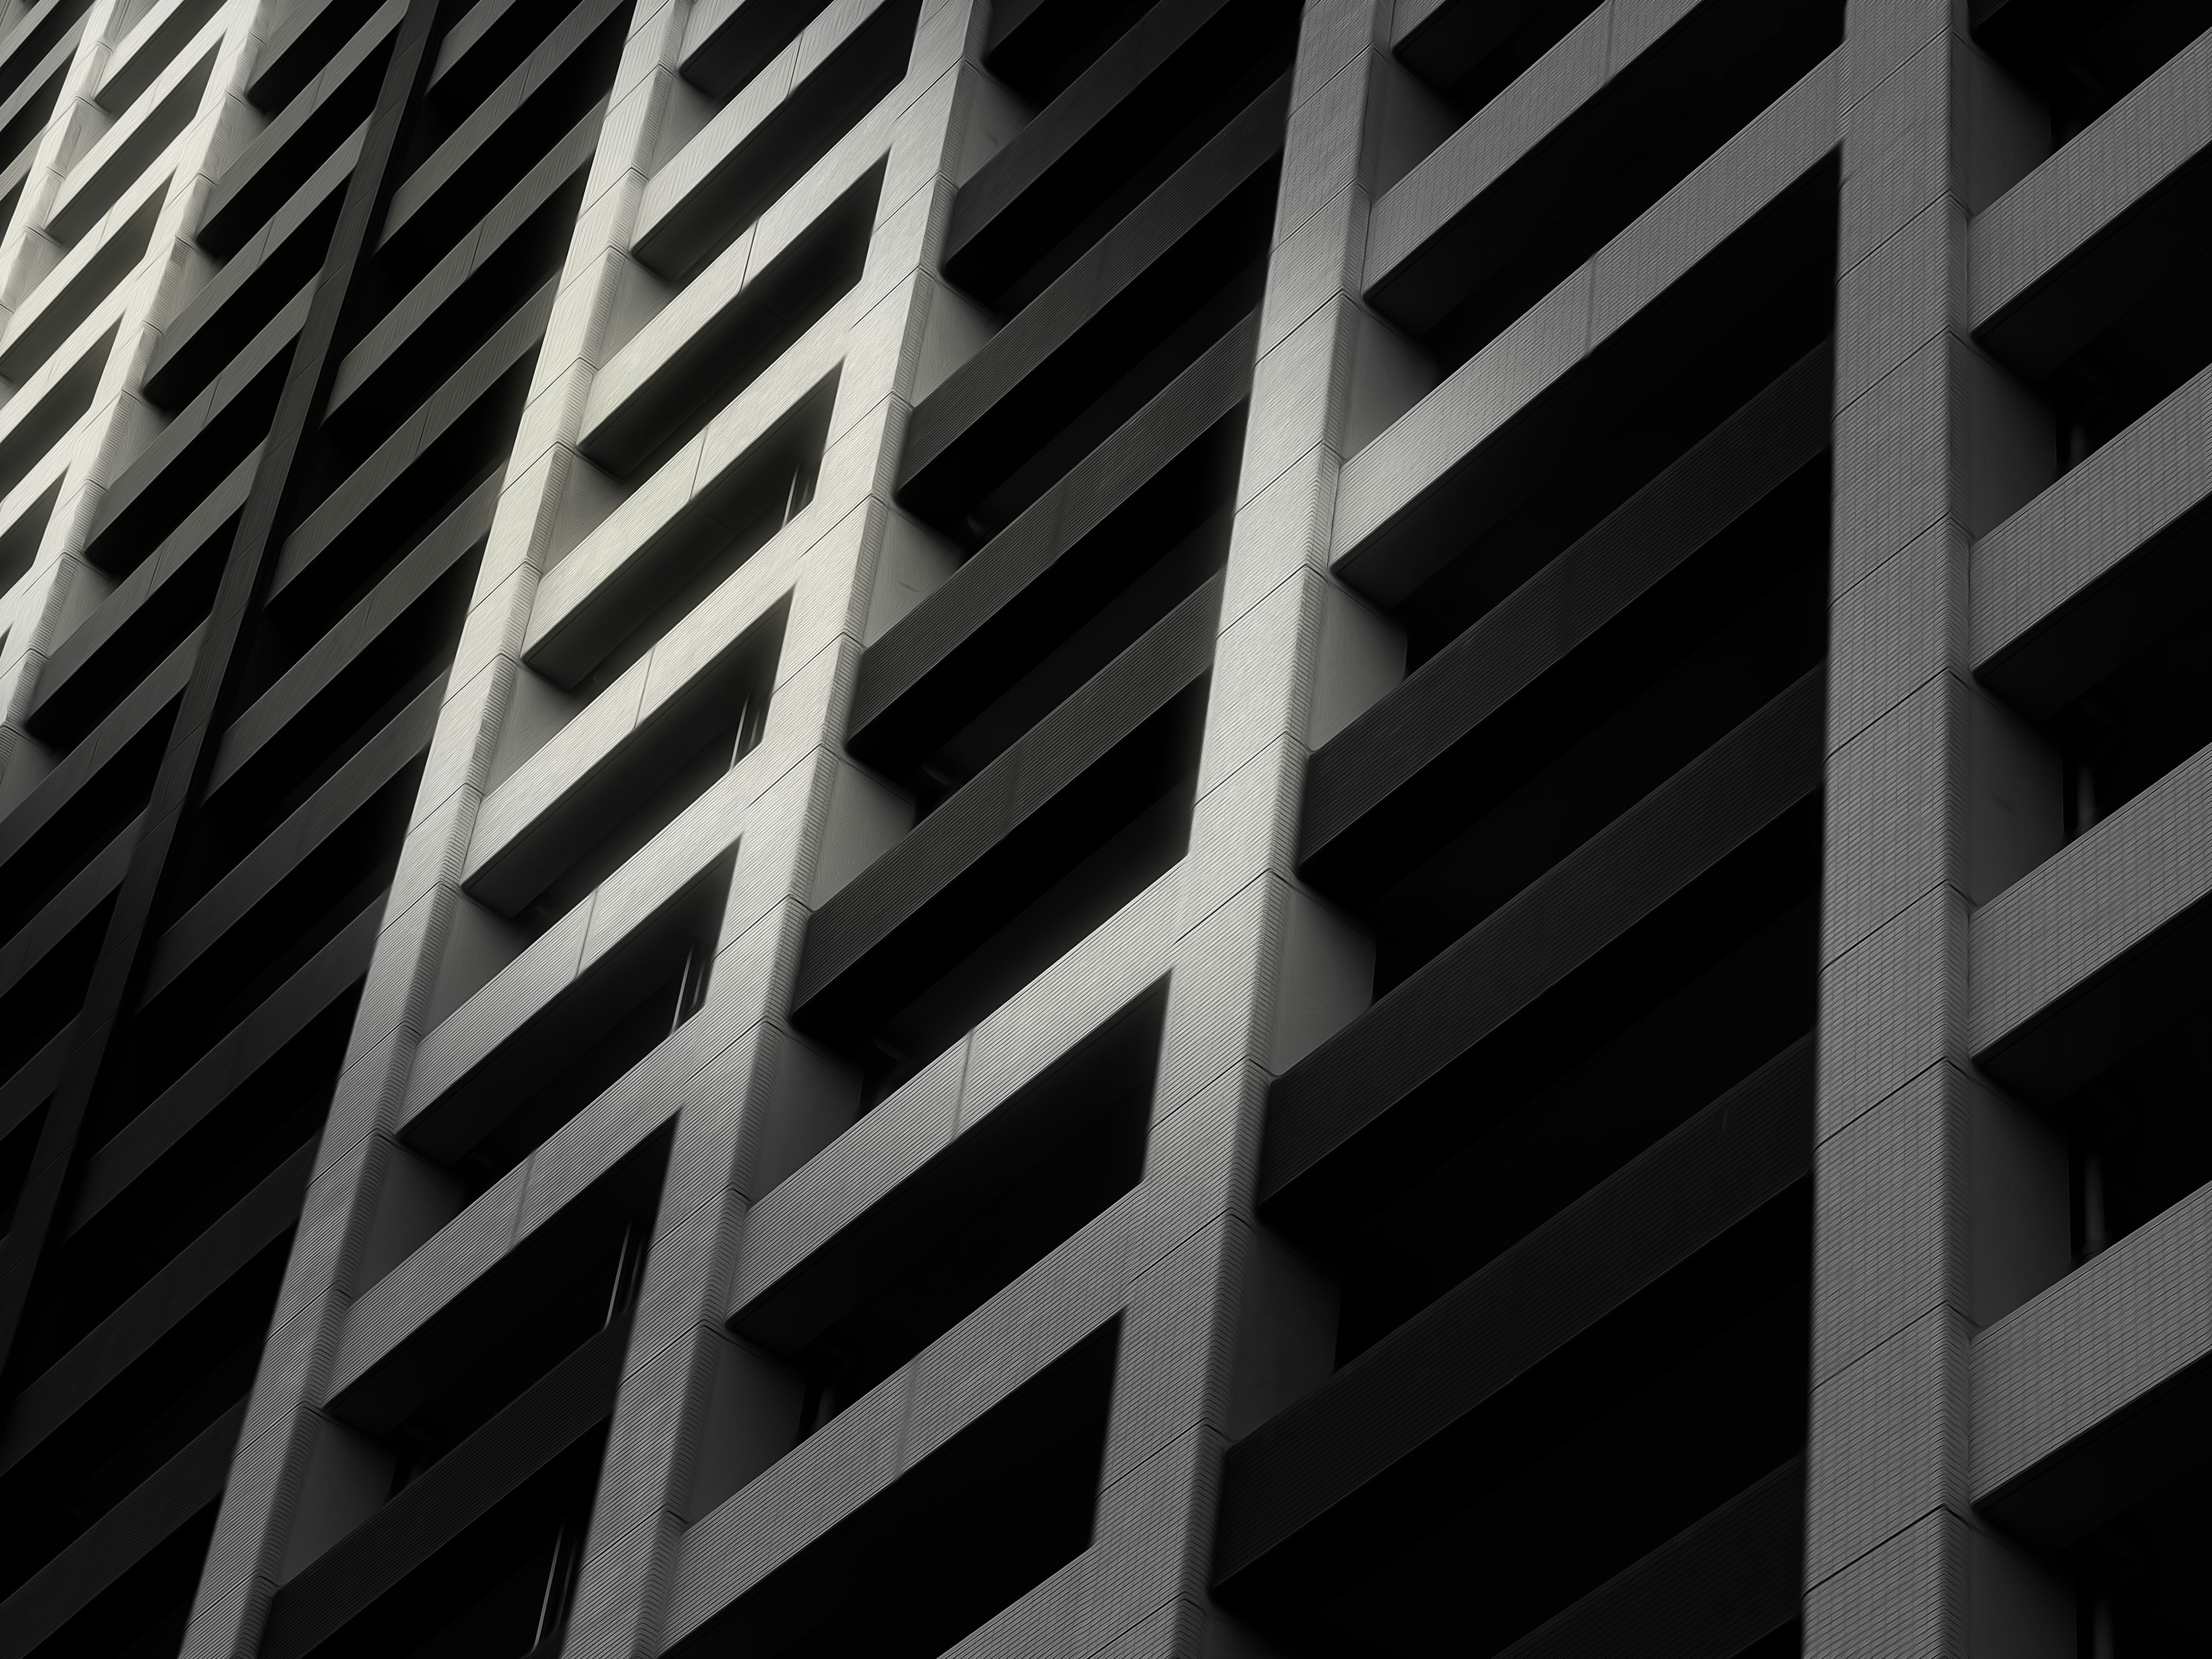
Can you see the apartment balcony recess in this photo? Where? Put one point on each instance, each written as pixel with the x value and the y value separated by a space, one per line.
pixel 1468 51
pixel 2100 564
pixel 558 1028
pixel 99 178
pixel 842 1306
pixel 34 34
pixel 1667 567
pixel 1052 588
pixel 619 774
pixel 481 1549
pixel 217 324
pixel 77 287
pixel 128 1578
pixel 467 295
pixel 2084 272
pixel 512 1284
pixel 84 802
pixel 170 1359
pixel 477 162
pixel 2089 1407
pixel 484 44
pixel 206 439
pixel 2090 1005
pixel 254 1099
pixel 783 121
pixel 2078 61
pixel 1145 301
pixel 1725 836
pixel 980 1512
pixel 1632 98
pixel 1751 288
pixel 1396 1239
pixel 1044 842
pixel 286 153
pixel 1133 117
pixel 727 42
pixel 695 358
pixel 1678 1365
pixel 397 640
pixel 348 541
pixel 154 39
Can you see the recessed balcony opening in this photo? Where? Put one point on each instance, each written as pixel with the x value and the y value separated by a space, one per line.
pixel 1038 46
pixel 1469 51
pixel 500 1589
pixel 1117 361
pixel 670 761
pixel 2135 1147
pixel 597 1296
pixel 1628 1450
pixel 232 949
pixel 1064 641
pixel 897 995
pixel 1628 440
pixel 96 1450
pixel 2147 351
pixel 34 1011
pixel 143 1614
pixel 1041 1167
pixel 2083 58
pixel 584 1041
pixel 96 813
pixel 1648 127
pixel 1699 653
pixel 1516 1145
pixel 338 714
pixel 1165 114
pixel 964 1534
pixel 150 1188
pixel 2117 683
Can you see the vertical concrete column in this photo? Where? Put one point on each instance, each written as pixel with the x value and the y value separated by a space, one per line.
pixel 1221 1328
pixel 1932 448
pixel 699 1413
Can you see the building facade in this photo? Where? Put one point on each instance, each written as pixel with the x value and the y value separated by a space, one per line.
pixel 1218 828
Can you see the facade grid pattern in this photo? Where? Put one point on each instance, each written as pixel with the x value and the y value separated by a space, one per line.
pixel 1218 828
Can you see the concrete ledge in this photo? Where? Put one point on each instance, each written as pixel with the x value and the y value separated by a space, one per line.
pixel 2099 1390
pixel 2068 248
pixel 1458 460
pixel 2069 586
pixel 2078 960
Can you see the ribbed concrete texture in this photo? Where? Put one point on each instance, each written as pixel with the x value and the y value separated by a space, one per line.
pixel 1063 829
